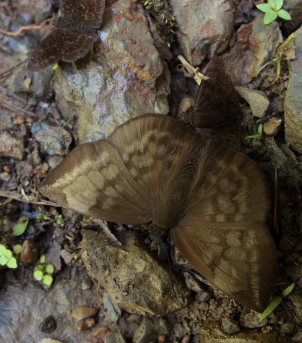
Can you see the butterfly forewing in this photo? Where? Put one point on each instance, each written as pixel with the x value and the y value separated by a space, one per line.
pixel 160 153
pixel 93 180
pixel 89 12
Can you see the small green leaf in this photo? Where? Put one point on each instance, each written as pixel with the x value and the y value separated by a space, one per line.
pixel 26 183
pixel 50 269
pixel 260 130
pixel 42 258
pixel 38 275
pixel 39 267
pixel 12 263
pixel 271 3
pixel 21 226
pixel 17 249
pixel 3 260
pixel 55 67
pixel 288 290
pixel 2 249
pixel 278 4
pixel 8 253
pixel 47 280
pixel 270 308
pixel 284 15
pixel 264 7
pixel 270 16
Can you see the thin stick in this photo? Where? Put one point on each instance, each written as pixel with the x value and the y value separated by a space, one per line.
pixel 18 197
pixel 23 29
pixel 193 72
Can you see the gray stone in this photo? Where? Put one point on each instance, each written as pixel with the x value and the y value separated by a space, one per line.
pixel 24 81
pixel 135 281
pixel 229 326
pixel 257 100
pixel 293 99
pixel 204 27
pixel 25 304
pixel 125 79
pixel 252 320
pixel 53 139
pixel 256 44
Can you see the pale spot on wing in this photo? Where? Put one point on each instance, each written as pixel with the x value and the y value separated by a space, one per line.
pixel 226 205
pixel 220 218
pixel 235 254
pixel 104 155
pixel 253 256
pixel 233 239
pixel 111 192
pixel 96 178
pixel 111 172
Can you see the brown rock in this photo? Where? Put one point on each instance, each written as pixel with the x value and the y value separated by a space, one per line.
pixel 11 146
pixel 87 324
pixel 84 312
pixel 256 44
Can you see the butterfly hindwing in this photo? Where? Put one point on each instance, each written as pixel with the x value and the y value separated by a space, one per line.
pixel 94 181
pixel 224 233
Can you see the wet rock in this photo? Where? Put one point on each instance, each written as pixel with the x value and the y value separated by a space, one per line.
pixel 25 304
pixel 11 146
pixel 252 320
pixel 134 280
pixel 126 79
pixel 54 161
pixel 53 139
pixel 36 84
pixel 293 99
pixel 205 27
pixel 256 44
pixel 192 283
pixel 66 256
pixel 84 312
pixel 49 324
pixel 257 100
pixel 229 326
pixel 30 251
pixel 149 330
pixel 217 336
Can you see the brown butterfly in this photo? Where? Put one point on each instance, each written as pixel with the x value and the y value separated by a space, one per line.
pixel 74 35
pixel 214 200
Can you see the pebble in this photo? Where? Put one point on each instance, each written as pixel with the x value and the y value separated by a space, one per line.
pixel 84 312
pixel 229 326
pixel 11 146
pixel 257 100
pixel 53 139
pixel 30 251
pixel 98 335
pixel 50 340
pixel 272 126
pixel 87 324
